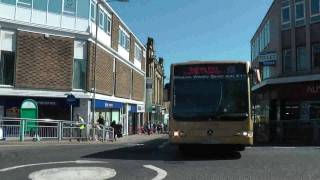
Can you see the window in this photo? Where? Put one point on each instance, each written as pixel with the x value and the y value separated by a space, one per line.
pixel 93 12
pixel 101 19
pixel 69 7
pixel 316 55
pixel 302 62
pixel 7 57
pixel 79 65
pixel 40 5
pixel 24 3
pixel 138 53
pixel 285 15
pixel 82 9
pixel 124 40
pixel 55 6
pixel 266 72
pixel 108 24
pixel 300 10
pixel 13 2
pixel 287 65
pixel 315 7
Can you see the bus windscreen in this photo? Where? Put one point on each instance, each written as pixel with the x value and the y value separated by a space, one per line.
pixel 205 92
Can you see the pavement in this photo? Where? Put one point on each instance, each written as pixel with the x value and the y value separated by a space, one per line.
pixel 152 157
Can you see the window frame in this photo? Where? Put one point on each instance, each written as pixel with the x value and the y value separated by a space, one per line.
pixel 14 51
pixel 84 60
pixel 94 6
pixel 109 19
pixel 317 14
pixel 302 68
pixel 284 52
pixel 24 4
pixel 125 38
pixel 282 18
pixel 312 53
pixel 304 10
pixel 69 12
pixel 137 47
pixel 101 19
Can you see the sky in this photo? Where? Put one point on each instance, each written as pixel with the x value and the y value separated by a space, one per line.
pixel 185 30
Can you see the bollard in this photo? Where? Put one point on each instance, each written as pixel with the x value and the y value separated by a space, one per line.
pixel 22 127
pixel 59 131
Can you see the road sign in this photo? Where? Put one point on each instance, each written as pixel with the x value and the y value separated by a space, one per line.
pixel 71 100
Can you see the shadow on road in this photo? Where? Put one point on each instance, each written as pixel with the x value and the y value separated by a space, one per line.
pixel 150 151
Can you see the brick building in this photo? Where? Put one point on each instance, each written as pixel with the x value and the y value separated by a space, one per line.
pixel 155 84
pixel 286 50
pixel 53 48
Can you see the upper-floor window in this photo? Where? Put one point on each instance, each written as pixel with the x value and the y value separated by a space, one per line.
pixel 303 63
pixel 79 65
pixel 287 63
pixel 12 2
pixel 315 7
pixel 93 11
pixel 124 40
pixel 266 72
pixel 316 55
pixel 300 10
pixel 285 15
pixel 82 8
pixel 101 19
pixel 7 57
pixel 25 3
pixel 55 6
pixel 138 53
pixel 40 5
pixel 108 24
pixel 69 7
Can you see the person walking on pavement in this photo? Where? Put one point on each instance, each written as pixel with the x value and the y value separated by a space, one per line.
pixel 81 124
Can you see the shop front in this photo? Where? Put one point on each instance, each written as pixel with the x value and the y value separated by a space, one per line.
pixel 49 108
pixel 287 111
pixel 110 111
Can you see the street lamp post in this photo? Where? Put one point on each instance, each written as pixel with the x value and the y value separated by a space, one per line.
pixel 95 53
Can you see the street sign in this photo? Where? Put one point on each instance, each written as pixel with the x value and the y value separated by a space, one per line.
pixel 71 100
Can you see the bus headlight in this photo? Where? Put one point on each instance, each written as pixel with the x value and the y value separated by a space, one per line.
pixel 245 134
pixel 176 133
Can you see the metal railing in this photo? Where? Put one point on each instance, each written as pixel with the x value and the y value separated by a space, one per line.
pixel 40 129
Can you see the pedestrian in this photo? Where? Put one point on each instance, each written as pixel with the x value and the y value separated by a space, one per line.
pixel 81 124
pixel 113 125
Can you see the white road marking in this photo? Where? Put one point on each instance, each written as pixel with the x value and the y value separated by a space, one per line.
pixel 50 163
pixel 161 173
pixel 279 147
pixel 163 145
pixel 74 173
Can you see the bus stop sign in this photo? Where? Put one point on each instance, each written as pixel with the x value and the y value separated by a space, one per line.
pixel 71 100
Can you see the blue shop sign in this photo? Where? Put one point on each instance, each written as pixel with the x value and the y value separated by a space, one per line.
pixel 269 63
pixel 102 104
pixel 133 108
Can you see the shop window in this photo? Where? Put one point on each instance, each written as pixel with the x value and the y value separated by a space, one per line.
pixel 302 62
pixel 79 65
pixel 287 64
pixel 55 6
pixel 40 5
pixel 69 7
pixel 82 9
pixel 316 55
pixel 7 57
pixel 291 112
